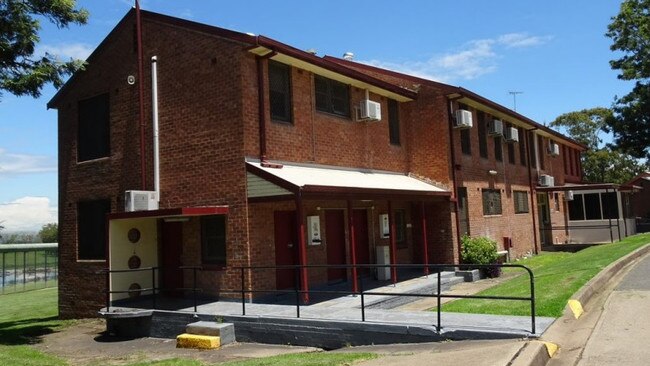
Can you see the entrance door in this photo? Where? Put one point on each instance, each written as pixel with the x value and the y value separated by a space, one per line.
pixel 171 277
pixel 362 250
pixel 335 242
pixel 545 234
pixel 286 248
pixel 463 213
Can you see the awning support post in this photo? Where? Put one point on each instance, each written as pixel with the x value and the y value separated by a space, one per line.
pixel 302 245
pixel 353 249
pixel 425 245
pixel 393 243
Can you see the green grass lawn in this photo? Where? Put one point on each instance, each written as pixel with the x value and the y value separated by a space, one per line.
pixel 557 277
pixel 27 315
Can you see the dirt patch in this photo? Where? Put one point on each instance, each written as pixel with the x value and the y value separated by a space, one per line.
pixel 85 343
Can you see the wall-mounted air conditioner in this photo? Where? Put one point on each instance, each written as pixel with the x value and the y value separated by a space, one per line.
pixel 463 119
pixel 495 128
pixel 512 134
pixel 568 196
pixel 553 148
pixel 546 180
pixel 369 110
pixel 140 201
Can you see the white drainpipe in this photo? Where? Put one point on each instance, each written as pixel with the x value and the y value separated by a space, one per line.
pixel 154 109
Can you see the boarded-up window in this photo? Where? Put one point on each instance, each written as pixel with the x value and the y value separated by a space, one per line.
pixel 521 201
pixel 491 202
pixel 91 229
pixel 213 240
pixel 280 91
pixel 93 139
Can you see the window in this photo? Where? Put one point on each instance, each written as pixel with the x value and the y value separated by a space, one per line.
pixel 522 147
pixel 93 133
pixel 556 197
pixel 280 91
pixel 482 135
pixel 592 206
pixel 465 138
pixel 511 152
pixel 491 202
pixel 332 96
pixel 400 228
pixel 498 148
pixel 521 202
pixel 531 150
pixel 91 229
pixel 576 208
pixel 565 159
pixel 393 121
pixel 542 151
pixel 213 240
pixel 610 205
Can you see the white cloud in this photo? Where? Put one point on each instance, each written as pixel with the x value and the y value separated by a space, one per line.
pixel 66 51
pixel 12 164
pixel 27 214
pixel 472 60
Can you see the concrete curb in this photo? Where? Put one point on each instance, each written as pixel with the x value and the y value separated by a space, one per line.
pixel 587 291
pixel 534 353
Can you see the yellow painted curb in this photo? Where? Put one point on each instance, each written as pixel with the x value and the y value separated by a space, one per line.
pixel 194 341
pixel 551 348
pixel 576 308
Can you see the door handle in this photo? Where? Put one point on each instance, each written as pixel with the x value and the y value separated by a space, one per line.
pixel 289 245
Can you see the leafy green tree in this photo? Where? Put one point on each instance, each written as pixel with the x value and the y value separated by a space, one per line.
pixel 49 233
pixel 22 72
pixel 600 164
pixel 630 33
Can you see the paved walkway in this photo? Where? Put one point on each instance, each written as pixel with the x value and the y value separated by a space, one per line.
pixel 621 336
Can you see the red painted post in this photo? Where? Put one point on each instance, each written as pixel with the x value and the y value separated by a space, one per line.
pixel 425 245
pixel 393 243
pixel 353 249
pixel 302 244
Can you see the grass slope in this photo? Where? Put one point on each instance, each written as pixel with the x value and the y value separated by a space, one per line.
pixel 557 277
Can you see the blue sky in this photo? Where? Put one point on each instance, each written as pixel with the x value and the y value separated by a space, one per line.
pixel 555 52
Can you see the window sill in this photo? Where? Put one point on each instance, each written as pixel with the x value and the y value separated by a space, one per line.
pixel 214 267
pixel 340 116
pixel 490 216
pixel 105 158
pixel 282 123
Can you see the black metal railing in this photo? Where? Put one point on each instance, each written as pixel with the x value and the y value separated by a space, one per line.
pixel 28 266
pixel 154 290
pixel 301 294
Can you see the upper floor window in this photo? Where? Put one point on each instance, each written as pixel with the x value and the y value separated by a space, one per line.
pixel 465 137
pixel 521 201
pixel 213 240
pixel 91 229
pixel 93 133
pixel 491 202
pixel 498 148
pixel 393 121
pixel 280 91
pixel 482 135
pixel 541 149
pixel 531 149
pixel 522 147
pixel 332 96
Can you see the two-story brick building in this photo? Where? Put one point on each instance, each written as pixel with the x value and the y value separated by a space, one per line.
pixel 248 152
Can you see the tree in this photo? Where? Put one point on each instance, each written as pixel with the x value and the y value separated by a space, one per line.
pixel 49 233
pixel 22 72
pixel 600 164
pixel 630 121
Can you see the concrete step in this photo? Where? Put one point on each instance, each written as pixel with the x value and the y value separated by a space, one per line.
pixel 195 341
pixel 225 331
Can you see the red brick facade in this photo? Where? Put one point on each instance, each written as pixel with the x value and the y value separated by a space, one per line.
pixel 209 125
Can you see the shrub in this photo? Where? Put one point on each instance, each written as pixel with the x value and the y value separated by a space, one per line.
pixel 480 250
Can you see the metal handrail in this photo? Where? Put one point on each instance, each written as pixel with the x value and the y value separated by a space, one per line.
pixel 362 293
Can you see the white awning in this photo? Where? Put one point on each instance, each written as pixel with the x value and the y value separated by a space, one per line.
pixel 267 181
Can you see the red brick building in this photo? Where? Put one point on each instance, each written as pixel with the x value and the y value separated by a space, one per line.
pixel 269 155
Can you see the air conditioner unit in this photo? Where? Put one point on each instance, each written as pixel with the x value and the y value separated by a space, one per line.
pixel 495 128
pixel 568 196
pixel 512 134
pixel 553 148
pixel 463 119
pixel 369 110
pixel 546 180
pixel 140 201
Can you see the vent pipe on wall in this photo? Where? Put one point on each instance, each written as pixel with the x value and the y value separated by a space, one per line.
pixel 154 112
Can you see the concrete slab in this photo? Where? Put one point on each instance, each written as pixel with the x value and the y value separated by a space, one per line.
pixel 225 331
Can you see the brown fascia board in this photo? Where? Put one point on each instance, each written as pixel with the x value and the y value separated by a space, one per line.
pixel 244 38
pixel 456 91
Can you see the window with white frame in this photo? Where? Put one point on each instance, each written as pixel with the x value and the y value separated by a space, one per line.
pixel 593 206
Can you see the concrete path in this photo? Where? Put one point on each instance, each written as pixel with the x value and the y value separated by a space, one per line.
pixel 622 335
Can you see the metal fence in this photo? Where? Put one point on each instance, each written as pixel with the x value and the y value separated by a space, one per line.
pixel 25 267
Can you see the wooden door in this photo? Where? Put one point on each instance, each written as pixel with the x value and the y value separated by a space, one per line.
pixel 362 247
pixel 335 243
pixel 286 248
pixel 171 277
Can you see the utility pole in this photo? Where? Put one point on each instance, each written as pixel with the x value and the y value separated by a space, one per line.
pixel 514 97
